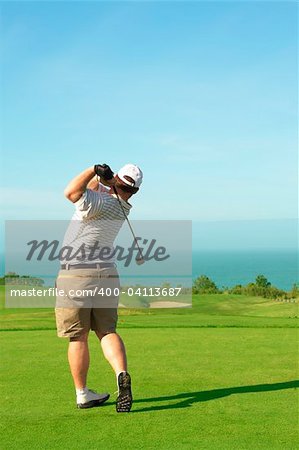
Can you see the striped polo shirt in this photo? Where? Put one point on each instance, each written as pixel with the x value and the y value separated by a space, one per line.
pixel 96 222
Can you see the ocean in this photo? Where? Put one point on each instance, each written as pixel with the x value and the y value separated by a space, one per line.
pixel 228 268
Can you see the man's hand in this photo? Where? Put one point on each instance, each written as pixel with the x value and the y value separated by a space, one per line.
pixel 103 171
pixel 78 185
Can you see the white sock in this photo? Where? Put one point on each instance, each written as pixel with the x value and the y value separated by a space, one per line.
pixel 81 391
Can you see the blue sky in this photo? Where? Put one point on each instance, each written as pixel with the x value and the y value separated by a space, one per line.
pixel 201 95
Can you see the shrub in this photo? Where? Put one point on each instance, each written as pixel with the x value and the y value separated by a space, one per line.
pixel 203 285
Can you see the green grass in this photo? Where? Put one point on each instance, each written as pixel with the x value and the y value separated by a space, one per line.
pixel 221 375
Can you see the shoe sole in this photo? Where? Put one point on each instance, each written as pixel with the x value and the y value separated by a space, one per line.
pixel 93 403
pixel 124 400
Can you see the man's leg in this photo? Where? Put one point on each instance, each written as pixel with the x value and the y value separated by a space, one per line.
pixel 78 356
pixel 74 323
pixel 114 351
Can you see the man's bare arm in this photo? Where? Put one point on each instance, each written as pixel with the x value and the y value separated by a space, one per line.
pixel 78 185
pixel 94 183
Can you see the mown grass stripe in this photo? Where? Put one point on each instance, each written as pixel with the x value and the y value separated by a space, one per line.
pixel 140 327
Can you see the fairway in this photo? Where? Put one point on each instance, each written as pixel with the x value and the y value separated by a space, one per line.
pixel 211 377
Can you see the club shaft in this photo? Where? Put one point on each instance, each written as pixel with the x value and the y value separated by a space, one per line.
pixel 128 222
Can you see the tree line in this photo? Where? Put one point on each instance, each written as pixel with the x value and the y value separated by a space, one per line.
pixel 24 280
pixel 260 288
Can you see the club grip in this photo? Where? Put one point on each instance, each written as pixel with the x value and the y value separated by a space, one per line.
pixel 103 171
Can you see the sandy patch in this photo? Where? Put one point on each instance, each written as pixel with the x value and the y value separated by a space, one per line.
pixel 169 305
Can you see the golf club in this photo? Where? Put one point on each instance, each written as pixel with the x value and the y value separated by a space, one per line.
pixel 139 258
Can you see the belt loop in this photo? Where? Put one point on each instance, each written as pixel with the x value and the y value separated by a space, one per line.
pixel 99 270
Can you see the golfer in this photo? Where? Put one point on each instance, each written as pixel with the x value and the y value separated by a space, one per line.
pixel 101 202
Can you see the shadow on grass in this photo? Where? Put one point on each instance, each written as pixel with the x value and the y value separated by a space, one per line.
pixel 187 399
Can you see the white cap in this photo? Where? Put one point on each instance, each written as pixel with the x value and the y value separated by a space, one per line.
pixel 133 172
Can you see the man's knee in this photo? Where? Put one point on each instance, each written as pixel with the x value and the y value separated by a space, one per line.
pixel 81 338
pixel 101 335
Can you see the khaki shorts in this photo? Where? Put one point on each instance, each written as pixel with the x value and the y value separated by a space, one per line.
pixel 87 299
